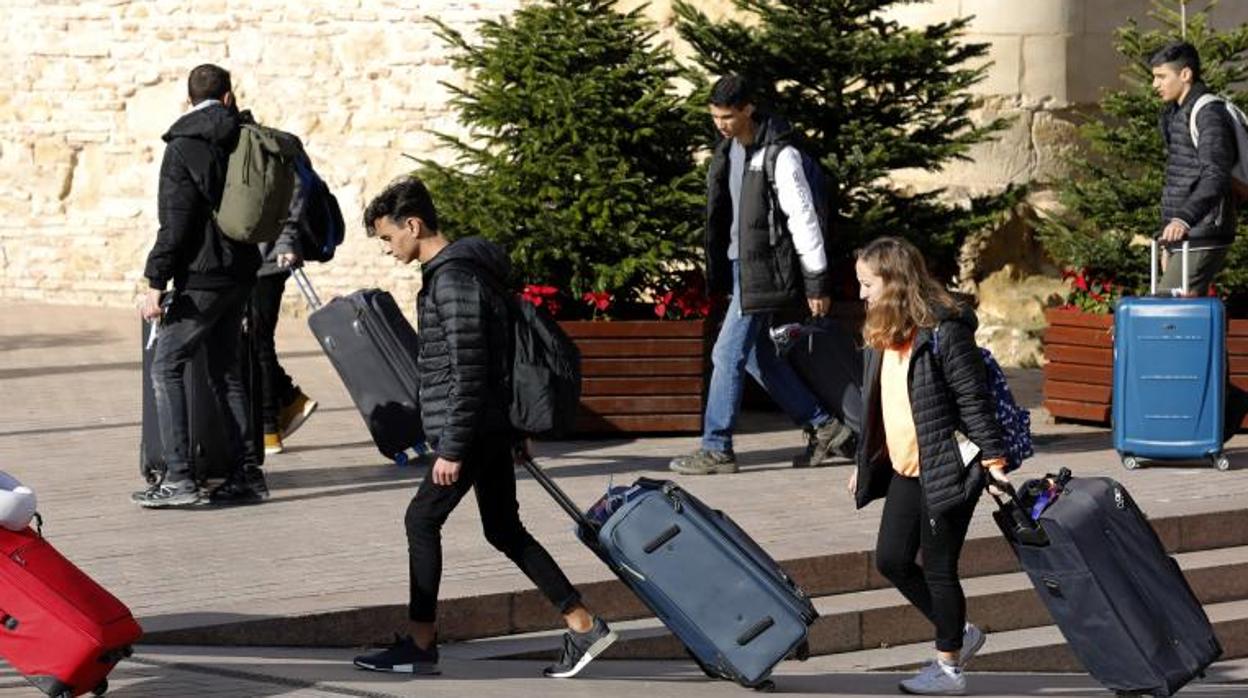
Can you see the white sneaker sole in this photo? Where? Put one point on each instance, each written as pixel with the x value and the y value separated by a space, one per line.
pixel 594 650
pixel 415 669
pixel 300 418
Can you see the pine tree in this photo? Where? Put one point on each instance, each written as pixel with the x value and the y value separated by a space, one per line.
pixel 579 154
pixel 1113 203
pixel 870 97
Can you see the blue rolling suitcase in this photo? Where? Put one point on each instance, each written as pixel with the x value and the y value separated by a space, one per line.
pixel 1169 394
pixel 720 594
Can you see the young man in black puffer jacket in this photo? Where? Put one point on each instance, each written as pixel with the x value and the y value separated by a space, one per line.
pixel 1196 202
pixel 464 363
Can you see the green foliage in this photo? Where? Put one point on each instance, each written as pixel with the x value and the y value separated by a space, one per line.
pixel 1113 203
pixel 870 97
pixel 579 153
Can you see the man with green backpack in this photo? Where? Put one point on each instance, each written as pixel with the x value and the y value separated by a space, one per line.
pixel 225 186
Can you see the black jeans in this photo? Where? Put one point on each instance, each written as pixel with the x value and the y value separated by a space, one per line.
pixel 489 469
pixel 278 387
pixel 213 320
pixel 934 589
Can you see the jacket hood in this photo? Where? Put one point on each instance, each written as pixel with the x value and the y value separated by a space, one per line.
pixel 477 250
pixel 773 129
pixel 216 123
pixel 962 313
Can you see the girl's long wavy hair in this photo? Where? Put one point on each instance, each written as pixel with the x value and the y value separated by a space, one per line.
pixel 910 298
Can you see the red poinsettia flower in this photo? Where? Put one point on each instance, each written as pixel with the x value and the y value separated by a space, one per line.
pixel 600 300
pixel 661 305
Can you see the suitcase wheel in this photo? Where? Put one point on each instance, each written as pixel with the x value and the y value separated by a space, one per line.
pixel 1221 462
pixel 101 688
pixel 1130 462
pixel 767 686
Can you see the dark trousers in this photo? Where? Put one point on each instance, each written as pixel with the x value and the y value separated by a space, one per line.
pixel 489 469
pixel 278 387
pixel 213 320
pixel 934 589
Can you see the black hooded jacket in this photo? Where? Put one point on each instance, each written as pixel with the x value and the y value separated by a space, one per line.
pixel 949 392
pixel 190 249
pixel 1197 187
pixel 772 279
pixel 464 346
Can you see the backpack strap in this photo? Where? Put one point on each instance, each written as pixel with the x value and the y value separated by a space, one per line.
pixel 1201 102
pixel 775 226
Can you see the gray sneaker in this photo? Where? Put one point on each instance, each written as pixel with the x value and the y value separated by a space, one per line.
pixel 178 493
pixel 705 462
pixel 825 445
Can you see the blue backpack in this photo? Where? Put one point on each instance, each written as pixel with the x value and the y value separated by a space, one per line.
pixel 321 226
pixel 820 191
pixel 1015 421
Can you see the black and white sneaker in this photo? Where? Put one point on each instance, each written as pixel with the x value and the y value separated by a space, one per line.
pixel 579 649
pixel 167 494
pixel 402 657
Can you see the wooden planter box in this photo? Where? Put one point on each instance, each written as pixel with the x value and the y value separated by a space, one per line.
pixel 1079 375
pixel 641 376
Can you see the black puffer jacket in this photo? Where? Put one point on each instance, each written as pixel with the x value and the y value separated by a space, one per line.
pixel 949 392
pixel 1198 184
pixel 190 249
pixel 772 279
pixel 464 344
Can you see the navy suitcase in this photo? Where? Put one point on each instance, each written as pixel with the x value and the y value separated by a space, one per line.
pixel 1121 602
pixel 1169 395
pixel 373 348
pixel 206 426
pixel 720 594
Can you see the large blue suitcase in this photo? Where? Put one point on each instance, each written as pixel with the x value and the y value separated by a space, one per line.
pixel 1169 395
pixel 720 594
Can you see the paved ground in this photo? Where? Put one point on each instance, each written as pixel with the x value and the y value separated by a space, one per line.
pixel 332 536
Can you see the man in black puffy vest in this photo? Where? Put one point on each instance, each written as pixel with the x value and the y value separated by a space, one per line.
pixel 1196 202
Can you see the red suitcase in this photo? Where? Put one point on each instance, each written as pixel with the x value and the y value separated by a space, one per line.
pixel 58 628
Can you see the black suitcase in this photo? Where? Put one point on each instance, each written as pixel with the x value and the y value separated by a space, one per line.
pixel 1121 602
pixel 825 355
pixel 373 348
pixel 209 452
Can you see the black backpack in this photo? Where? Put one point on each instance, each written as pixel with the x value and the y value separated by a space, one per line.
pixel 545 367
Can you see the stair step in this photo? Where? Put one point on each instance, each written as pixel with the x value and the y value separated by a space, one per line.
pixel 860 621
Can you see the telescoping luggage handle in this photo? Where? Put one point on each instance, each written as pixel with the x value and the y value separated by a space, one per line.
pixel 305 285
pixel 1021 527
pixel 1152 268
pixel 556 492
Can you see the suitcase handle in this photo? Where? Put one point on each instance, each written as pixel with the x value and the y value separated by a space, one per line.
pixel 561 498
pixel 1153 264
pixel 305 285
pixel 1024 531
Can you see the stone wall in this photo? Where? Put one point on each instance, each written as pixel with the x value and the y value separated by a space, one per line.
pixel 92 84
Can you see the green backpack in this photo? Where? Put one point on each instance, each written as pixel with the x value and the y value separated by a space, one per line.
pixel 259 181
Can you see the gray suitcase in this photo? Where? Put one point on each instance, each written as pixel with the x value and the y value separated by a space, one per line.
pixel 734 608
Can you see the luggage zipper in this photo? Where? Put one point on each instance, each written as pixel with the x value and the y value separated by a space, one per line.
pixel 1119 501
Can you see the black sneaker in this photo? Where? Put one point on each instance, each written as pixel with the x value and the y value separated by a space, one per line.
pixel 234 490
pixel 824 445
pixel 402 657
pixel 167 494
pixel 579 649
pixel 254 477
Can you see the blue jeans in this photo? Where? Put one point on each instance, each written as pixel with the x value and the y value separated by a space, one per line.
pixel 743 346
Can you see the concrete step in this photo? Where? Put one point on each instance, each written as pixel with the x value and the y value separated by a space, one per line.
pixel 526 611
pixel 883 618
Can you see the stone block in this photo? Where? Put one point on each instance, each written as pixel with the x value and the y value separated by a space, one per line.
pixel 922 14
pixel 1005 53
pixel 1044 67
pixel 151 110
pixel 1095 66
pixel 1055 137
pixel 1020 16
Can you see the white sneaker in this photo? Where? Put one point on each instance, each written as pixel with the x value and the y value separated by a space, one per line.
pixel 973 640
pixel 936 679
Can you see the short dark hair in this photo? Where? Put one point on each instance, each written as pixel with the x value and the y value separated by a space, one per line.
pixel 207 81
pixel 732 91
pixel 403 198
pixel 1181 55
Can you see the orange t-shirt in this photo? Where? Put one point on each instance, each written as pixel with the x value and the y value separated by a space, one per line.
pixel 900 434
